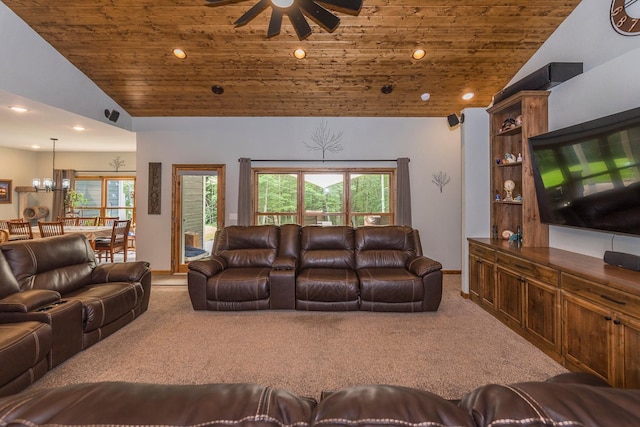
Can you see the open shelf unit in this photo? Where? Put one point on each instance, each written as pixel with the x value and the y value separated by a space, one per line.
pixel 531 107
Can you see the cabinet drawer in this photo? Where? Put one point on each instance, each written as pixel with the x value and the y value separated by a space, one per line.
pixel 482 252
pixel 603 295
pixel 528 268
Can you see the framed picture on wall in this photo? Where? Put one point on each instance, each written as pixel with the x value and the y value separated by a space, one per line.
pixel 5 191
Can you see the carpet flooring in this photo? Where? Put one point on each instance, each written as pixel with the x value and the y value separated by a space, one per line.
pixel 449 352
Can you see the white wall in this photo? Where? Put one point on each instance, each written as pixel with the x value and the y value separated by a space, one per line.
pixel 476 194
pixel 30 67
pixel 428 142
pixel 609 84
pixel 15 167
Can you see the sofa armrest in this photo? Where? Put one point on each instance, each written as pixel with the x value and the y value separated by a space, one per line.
pixel 421 265
pixel 285 263
pixel 120 272
pixel 23 302
pixel 209 267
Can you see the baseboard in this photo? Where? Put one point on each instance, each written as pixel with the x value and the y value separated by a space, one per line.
pixel 451 271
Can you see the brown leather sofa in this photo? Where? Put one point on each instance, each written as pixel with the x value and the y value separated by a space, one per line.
pixel 56 301
pixel 316 268
pixel 570 400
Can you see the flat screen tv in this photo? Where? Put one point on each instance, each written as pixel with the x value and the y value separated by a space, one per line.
pixel 588 175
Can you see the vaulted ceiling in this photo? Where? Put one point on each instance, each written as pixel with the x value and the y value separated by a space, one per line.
pixel 125 47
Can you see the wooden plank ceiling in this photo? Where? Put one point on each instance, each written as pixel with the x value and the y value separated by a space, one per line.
pixel 125 47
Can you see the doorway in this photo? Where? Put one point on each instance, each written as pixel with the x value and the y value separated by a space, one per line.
pixel 197 212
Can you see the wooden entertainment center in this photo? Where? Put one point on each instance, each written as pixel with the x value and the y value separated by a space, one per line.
pixel 579 310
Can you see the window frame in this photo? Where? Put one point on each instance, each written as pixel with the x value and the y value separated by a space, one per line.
pixel 347 215
pixel 103 208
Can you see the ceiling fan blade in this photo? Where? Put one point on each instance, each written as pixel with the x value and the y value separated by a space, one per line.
pixel 275 22
pixel 253 12
pixel 348 6
pixel 320 15
pixel 299 22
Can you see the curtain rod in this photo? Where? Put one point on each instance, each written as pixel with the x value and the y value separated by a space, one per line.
pixel 323 161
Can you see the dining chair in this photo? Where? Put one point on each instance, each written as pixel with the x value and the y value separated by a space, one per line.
pixel 107 220
pixel 116 243
pixel 4 223
pixel 49 229
pixel 92 220
pixel 20 230
pixel 68 220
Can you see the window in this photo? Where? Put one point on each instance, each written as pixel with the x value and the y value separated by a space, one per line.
pixel 107 197
pixel 325 197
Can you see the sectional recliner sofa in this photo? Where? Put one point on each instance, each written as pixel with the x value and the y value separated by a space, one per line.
pixel 335 268
pixel 56 301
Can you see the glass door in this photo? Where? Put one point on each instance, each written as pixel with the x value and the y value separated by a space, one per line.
pixel 198 212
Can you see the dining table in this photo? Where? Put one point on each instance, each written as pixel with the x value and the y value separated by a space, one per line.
pixel 92 232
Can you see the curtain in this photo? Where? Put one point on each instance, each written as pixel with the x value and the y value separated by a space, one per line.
pixel 403 209
pixel 244 192
pixel 57 208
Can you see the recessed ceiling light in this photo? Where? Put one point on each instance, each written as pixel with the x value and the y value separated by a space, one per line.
pixel 18 109
pixel 78 128
pixel 386 89
pixel 418 54
pixel 179 53
pixel 467 96
pixel 299 53
pixel 425 96
pixel 35 147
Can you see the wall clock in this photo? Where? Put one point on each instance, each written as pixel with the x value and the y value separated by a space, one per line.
pixel 621 19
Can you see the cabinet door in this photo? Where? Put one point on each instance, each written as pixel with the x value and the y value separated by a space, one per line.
pixel 630 363
pixel 475 277
pixel 542 314
pixel 488 285
pixel 509 296
pixel 588 337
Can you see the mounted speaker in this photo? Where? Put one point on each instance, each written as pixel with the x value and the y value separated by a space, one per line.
pixel 112 115
pixel 454 120
pixel 624 260
pixel 545 78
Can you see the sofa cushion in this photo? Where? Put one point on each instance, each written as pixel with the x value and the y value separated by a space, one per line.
pixel 248 246
pixel 36 266
pixel 239 284
pixel 552 404
pixel 389 406
pixel 8 283
pixel 22 346
pixel 327 247
pixel 389 246
pixel 391 285
pixel 105 302
pixel 327 284
pixel 131 404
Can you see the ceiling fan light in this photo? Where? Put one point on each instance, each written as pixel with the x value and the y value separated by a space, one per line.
pixel 282 3
pixel 299 53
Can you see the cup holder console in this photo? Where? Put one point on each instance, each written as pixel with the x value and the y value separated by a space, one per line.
pixel 52 305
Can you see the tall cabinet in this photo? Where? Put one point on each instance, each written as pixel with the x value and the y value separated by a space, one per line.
pixel 512 122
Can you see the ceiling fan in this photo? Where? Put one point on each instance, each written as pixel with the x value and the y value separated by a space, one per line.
pixel 296 11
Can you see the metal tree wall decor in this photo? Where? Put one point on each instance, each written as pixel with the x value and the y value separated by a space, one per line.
pixel 323 140
pixel 117 163
pixel 440 179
